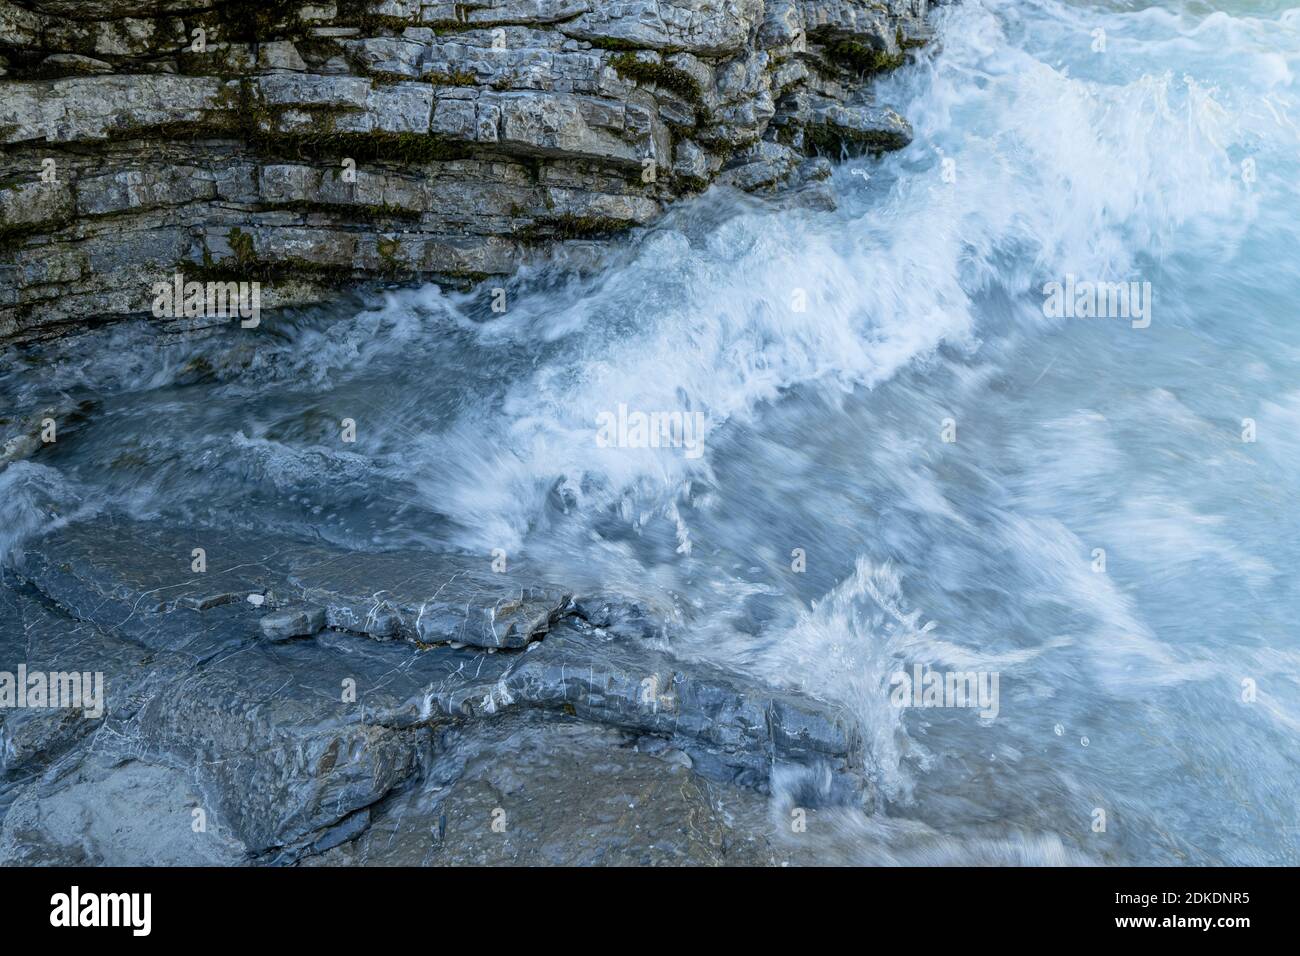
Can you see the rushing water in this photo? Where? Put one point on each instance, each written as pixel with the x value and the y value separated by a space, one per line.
pixel 1163 689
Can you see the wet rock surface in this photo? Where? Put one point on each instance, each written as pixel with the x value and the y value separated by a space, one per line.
pixel 539 793
pixel 302 146
pixel 329 719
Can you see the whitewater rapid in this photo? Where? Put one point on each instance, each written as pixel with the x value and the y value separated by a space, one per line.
pixel 904 459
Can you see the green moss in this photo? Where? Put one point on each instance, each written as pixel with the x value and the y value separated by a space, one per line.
pixel 360 13
pixel 455 78
pixel 627 46
pixel 262 270
pixel 57 71
pixel 612 43
pixel 691 184
pixel 240 113
pixel 863 59
pixel 908 43
pixel 567 226
pixel 14 237
pixel 215 127
pixel 723 150
pixel 386 78
pixel 786 134
pixel 241 244
pixel 324 141
pixel 454 26
pixel 406 148
pixel 244 264
pixel 357 212
pixel 388 249
pixel 678 81
pixel 834 141
pixel 317 49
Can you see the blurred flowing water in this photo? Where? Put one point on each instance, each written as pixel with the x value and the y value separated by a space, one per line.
pixel 1171 157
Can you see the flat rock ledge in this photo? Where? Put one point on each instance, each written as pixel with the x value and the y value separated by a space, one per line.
pixel 306 145
pixel 291 696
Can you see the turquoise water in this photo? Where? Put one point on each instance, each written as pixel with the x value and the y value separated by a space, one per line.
pixel 1162 688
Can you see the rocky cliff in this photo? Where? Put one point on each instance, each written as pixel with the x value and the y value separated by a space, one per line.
pixel 306 145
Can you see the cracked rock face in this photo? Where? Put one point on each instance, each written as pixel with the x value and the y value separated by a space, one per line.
pixel 371 689
pixel 305 145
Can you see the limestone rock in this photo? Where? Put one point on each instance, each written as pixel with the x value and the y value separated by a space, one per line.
pixel 290 622
pixel 397 140
pixel 295 748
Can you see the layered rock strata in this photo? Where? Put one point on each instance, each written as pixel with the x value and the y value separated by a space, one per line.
pixel 305 145
pixel 290 692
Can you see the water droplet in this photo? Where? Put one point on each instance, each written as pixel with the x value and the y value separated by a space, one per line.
pixel 1059 730
pixel 1084 741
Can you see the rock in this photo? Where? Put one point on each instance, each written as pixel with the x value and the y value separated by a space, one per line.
pixel 820 123
pixel 763 164
pixel 298 747
pixel 24 436
pixel 691 162
pixel 861 128
pixel 533 792
pixel 139 578
pixel 702 27
pixel 288 623
pixel 285 752
pixel 677 758
pixel 281 751
pixel 467 145
pixel 783 26
pixel 130 814
pixel 74 63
